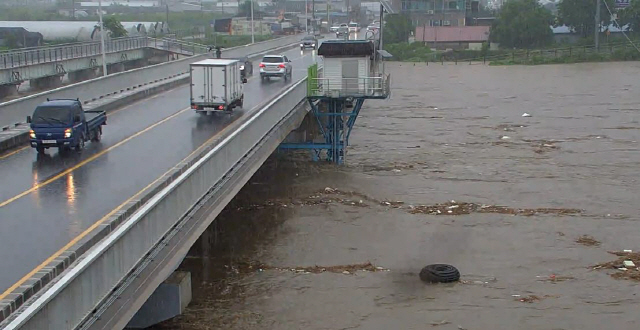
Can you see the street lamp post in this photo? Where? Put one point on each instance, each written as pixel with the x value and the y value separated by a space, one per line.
pixel 253 38
pixel 306 16
pixel 104 57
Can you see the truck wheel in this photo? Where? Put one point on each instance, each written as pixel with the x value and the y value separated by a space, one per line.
pixel 80 145
pixel 97 135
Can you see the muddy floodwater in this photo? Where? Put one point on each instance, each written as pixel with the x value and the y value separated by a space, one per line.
pixel 531 209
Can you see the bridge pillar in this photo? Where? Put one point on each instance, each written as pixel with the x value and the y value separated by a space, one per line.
pixel 169 300
pixel 82 75
pixel 46 82
pixel 136 64
pixel 8 90
pixel 114 68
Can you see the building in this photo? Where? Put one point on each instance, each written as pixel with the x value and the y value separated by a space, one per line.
pixel 453 37
pixel 438 12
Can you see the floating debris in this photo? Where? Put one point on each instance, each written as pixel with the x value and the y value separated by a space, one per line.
pixel 621 270
pixel 443 322
pixel 587 240
pixel 468 208
pixel 529 299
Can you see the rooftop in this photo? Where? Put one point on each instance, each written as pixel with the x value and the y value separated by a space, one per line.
pixel 346 48
pixel 215 61
pixel 453 34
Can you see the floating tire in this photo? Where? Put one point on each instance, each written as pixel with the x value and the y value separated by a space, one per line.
pixel 439 273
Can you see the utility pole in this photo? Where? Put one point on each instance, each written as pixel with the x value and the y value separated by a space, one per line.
pixel 167 23
pixel 306 16
pixel 253 38
pixel 381 23
pixel 313 15
pixel 104 57
pixel 328 19
pixel 597 36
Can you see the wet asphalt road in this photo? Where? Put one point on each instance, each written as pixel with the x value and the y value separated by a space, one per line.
pixel 46 201
pixel 449 133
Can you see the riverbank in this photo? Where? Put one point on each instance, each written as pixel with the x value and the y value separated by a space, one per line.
pixel 418 53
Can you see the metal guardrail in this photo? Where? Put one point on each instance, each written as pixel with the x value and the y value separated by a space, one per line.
pixel 377 86
pixel 39 55
pixel 15 111
pixel 73 297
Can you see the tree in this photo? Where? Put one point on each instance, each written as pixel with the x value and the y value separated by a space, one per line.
pixel 522 24
pixel 114 27
pixel 631 16
pixel 580 15
pixel 398 28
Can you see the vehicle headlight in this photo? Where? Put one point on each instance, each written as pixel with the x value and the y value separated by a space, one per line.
pixel 32 134
pixel 313 45
pixel 242 67
pixel 67 133
pixel 301 45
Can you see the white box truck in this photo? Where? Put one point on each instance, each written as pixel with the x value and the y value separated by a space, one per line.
pixel 216 85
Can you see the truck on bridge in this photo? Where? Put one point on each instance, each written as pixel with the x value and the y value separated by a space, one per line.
pixel 216 85
pixel 64 124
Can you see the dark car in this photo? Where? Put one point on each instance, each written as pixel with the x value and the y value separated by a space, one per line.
pixel 309 42
pixel 246 67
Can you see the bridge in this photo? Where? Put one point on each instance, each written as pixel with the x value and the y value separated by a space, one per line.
pixel 43 66
pixel 122 215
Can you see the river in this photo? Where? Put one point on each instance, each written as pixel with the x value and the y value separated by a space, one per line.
pixel 446 171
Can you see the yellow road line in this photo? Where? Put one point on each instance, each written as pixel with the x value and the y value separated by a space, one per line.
pixel 112 212
pixel 88 160
pixel 111 113
pixel 14 152
pixel 104 218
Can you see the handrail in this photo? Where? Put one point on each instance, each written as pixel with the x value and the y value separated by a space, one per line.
pixel 41 55
pixel 374 86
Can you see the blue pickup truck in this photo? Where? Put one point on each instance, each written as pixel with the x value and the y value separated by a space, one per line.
pixel 64 125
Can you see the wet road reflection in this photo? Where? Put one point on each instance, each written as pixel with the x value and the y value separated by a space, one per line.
pixel 140 143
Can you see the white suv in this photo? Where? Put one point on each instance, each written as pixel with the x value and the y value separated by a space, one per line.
pixel 275 66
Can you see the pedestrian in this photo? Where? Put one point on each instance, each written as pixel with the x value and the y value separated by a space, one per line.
pixel 218 52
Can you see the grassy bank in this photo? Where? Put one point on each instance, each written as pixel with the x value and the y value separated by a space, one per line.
pixel 624 54
pixel 417 52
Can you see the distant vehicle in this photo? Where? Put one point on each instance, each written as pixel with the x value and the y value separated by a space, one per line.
pixel 309 41
pixel 342 32
pixel 334 28
pixel 246 67
pixel 64 125
pixel 216 85
pixel 354 27
pixel 275 66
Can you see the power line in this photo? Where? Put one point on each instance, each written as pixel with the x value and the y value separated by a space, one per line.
pixel 615 20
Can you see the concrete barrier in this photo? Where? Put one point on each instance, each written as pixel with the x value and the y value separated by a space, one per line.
pixel 15 111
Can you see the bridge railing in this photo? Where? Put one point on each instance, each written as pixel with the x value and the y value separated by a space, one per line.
pixel 178 46
pixel 375 86
pixel 31 56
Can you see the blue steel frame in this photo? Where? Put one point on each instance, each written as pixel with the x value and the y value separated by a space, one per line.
pixel 335 125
